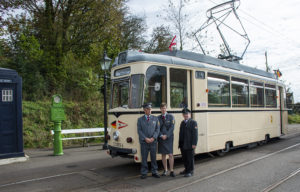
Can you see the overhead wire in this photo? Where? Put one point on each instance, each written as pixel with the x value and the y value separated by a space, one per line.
pixel 265 27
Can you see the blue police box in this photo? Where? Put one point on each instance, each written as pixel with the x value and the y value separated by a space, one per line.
pixel 11 126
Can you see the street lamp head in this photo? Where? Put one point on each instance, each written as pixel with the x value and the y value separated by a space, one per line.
pixel 105 63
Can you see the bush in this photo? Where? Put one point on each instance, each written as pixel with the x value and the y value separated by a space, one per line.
pixel 37 124
pixel 294 119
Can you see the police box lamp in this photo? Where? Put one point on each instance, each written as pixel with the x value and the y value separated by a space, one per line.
pixel 105 62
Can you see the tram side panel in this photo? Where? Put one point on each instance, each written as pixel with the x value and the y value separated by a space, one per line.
pixel 240 128
pixel 218 130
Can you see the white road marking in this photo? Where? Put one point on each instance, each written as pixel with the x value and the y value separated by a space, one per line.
pixel 273 186
pixel 37 179
pixel 232 168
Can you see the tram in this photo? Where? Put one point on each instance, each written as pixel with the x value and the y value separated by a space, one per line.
pixel 234 105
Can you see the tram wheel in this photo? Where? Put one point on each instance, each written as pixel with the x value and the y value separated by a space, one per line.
pixel 220 153
pixel 260 143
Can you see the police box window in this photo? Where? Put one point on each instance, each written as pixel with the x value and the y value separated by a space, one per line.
pixel 200 75
pixel 7 95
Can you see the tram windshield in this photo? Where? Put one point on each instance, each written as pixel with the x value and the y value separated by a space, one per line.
pixel 127 93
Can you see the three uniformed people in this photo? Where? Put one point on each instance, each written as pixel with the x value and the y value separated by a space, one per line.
pixel 188 138
pixel 160 129
pixel 148 130
pixel 166 139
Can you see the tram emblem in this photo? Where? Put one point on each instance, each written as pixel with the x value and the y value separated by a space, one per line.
pixel 119 123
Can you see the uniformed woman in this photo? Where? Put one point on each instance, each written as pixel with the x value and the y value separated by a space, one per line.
pixel 166 138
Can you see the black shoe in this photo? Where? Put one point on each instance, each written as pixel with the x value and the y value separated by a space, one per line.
pixel 188 175
pixel 182 172
pixel 155 175
pixel 164 173
pixel 172 174
pixel 143 176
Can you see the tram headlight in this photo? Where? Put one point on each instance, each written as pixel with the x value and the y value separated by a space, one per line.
pixel 116 135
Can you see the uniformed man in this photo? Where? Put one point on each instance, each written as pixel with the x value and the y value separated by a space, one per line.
pixel 188 137
pixel 166 139
pixel 148 130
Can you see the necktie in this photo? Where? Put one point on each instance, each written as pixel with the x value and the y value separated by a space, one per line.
pixel 163 117
pixel 148 118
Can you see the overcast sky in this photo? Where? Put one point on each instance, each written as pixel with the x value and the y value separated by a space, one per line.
pixel 272 26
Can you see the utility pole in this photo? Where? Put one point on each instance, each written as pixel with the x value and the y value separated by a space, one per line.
pixel 267 65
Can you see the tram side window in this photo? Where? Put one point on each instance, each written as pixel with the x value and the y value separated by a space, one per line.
pixel 120 94
pixel 270 92
pixel 218 90
pixel 156 85
pixel 240 92
pixel 257 94
pixel 178 88
pixel 136 91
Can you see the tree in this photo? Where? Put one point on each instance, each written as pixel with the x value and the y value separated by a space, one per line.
pixel 132 32
pixel 61 28
pixel 160 40
pixel 176 15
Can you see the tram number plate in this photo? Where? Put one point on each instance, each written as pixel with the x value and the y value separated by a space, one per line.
pixel 118 144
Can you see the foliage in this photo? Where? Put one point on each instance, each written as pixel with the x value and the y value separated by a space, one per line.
pixel 56 46
pixel 294 119
pixel 37 124
pixel 160 40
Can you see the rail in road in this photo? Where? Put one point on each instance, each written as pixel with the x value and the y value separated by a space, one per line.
pixel 95 171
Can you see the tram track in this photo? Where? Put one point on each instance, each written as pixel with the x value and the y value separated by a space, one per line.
pixel 239 166
pixel 276 184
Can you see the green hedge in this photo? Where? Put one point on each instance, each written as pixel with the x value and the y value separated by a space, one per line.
pixel 294 119
pixel 37 125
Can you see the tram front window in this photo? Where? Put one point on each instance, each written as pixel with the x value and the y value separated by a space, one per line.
pixel 128 93
pixel 156 85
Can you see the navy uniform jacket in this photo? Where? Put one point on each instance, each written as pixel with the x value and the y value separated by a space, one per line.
pixel 148 129
pixel 188 134
pixel 166 128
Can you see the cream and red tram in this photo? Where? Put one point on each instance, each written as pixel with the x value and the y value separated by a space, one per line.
pixel 234 104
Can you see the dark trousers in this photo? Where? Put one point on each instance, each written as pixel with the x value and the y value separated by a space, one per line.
pixel 188 159
pixel 145 149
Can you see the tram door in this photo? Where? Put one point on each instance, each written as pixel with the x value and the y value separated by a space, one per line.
pixel 283 113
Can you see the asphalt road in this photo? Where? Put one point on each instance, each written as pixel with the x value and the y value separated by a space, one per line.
pixel 272 167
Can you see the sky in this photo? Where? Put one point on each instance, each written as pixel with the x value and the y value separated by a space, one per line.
pixel 272 26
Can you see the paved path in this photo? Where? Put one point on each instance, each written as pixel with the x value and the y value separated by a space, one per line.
pixel 271 167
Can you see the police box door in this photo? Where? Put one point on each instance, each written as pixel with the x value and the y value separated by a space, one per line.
pixel 8 118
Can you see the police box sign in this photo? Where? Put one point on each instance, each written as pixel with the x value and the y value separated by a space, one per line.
pixel 5 80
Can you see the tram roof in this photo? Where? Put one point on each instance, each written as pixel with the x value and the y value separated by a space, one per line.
pixel 186 58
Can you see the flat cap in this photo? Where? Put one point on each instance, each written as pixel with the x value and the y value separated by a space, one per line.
pixel 147 105
pixel 185 111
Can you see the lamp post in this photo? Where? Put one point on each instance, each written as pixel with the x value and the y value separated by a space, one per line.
pixel 105 64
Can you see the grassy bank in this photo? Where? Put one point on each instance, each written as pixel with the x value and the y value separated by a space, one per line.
pixel 37 125
pixel 294 119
